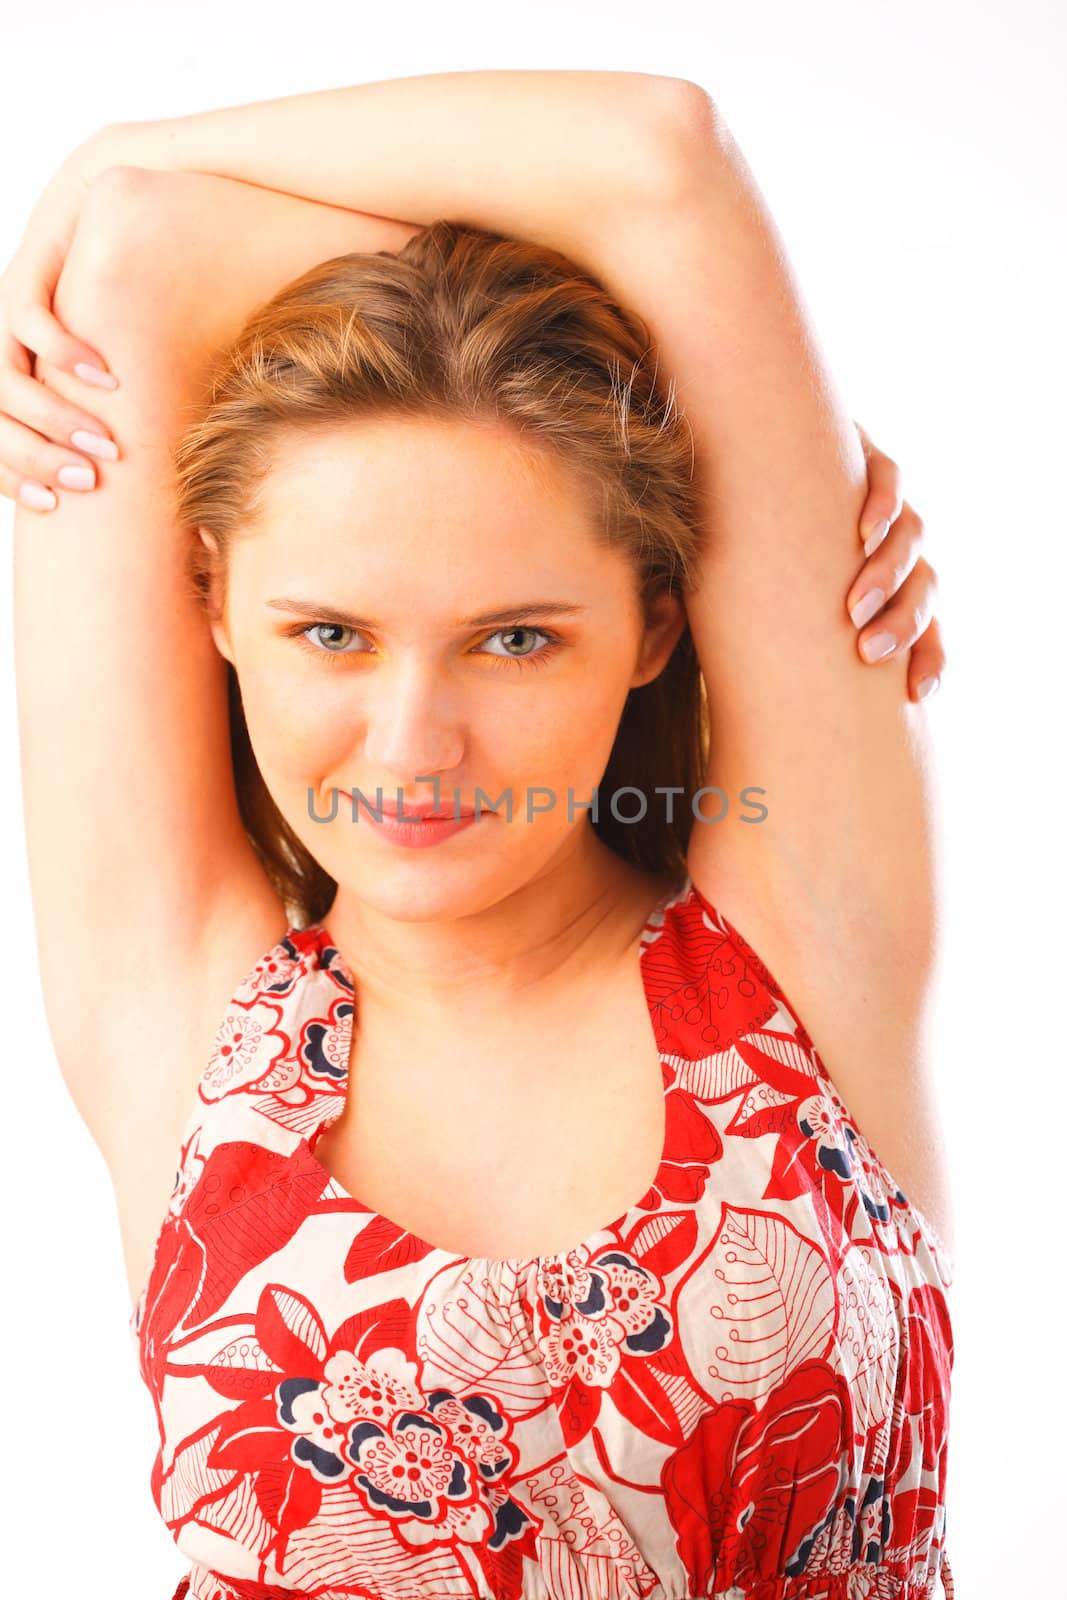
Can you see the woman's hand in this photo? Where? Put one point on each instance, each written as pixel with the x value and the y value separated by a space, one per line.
pixel 37 426
pixel 899 587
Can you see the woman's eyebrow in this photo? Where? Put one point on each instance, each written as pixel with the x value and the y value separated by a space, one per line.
pixel 536 608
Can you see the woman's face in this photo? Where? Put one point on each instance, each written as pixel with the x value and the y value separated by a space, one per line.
pixel 357 621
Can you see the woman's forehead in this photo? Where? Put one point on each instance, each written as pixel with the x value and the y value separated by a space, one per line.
pixel 452 539
pixel 393 460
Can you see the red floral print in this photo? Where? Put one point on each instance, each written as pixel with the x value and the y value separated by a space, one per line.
pixel 739 1390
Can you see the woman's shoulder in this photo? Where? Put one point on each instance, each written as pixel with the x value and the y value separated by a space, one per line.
pixel 849 997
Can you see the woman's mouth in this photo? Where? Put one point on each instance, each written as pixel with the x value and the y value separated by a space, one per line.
pixel 414 827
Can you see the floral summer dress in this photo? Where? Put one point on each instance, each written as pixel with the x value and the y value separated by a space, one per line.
pixel 737 1391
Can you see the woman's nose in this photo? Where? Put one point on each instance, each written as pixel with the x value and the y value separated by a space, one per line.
pixel 414 726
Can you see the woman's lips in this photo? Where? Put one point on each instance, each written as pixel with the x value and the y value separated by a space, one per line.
pixel 417 833
pixel 413 814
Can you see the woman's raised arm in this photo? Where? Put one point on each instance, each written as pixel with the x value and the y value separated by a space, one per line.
pixel 149 901
pixel 837 888
pixel 842 754
pixel 638 179
pixel 547 155
pixel 563 158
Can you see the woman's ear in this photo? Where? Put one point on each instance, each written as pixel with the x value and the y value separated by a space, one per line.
pixel 215 612
pixel 665 621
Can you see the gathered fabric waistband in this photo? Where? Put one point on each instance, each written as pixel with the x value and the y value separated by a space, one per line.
pixel 202 1584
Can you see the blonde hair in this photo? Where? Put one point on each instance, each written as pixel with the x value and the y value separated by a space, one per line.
pixel 464 324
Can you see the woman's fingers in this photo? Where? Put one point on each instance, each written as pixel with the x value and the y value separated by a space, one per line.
pixel 34 326
pixel 27 491
pixel 885 494
pixel 27 458
pixel 39 431
pixel 903 619
pixel 38 406
pixel 887 568
pixel 892 599
pixel 41 435
pixel 926 663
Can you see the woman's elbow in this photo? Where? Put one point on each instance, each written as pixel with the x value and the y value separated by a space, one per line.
pixel 689 127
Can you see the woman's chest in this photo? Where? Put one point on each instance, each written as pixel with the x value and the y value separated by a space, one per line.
pixel 516 1137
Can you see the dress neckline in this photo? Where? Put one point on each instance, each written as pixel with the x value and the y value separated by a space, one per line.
pixel 336 1191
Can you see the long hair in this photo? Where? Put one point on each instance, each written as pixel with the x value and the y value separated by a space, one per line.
pixel 466 324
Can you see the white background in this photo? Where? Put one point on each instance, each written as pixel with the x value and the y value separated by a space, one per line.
pixel 912 154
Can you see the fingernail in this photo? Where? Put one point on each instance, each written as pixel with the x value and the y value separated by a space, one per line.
pixel 36 495
pixel 926 686
pixel 95 375
pixel 77 477
pixel 865 609
pixel 94 444
pixel 877 646
pixel 871 544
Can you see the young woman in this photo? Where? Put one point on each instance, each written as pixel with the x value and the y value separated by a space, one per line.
pixel 535 509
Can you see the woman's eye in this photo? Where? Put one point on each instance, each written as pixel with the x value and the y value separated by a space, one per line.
pixel 523 656
pixel 323 648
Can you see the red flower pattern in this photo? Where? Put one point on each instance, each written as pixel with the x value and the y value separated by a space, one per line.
pixel 739 1390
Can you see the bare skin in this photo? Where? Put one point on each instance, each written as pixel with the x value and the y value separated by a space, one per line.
pixel 540 928
pixel 499 1102
pixel 487 967
pixel 420 526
